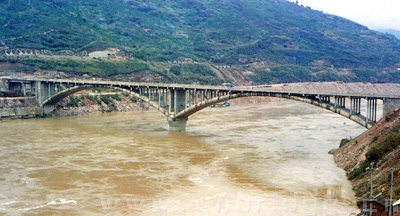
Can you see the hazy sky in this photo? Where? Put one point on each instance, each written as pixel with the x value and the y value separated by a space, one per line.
pixel 375 14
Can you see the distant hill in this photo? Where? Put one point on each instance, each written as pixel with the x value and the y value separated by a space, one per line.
pixel 277 40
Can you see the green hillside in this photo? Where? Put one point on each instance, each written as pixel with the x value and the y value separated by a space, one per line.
pixel 297 43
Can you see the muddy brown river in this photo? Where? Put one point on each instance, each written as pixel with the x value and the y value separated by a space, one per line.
pixel 252 159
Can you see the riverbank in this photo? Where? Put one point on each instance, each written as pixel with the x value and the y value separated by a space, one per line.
pixel 85 104
pixel 75 105
pixel 19 107
pixel 381 145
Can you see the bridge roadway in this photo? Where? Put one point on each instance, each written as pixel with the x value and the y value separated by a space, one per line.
pixel 179 101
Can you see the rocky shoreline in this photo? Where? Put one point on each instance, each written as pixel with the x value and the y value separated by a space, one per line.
pixel 19 107
pixel 98 103
pixel 381 145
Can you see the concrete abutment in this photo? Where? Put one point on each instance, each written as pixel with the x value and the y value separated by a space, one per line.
pixel 177 124
pixel 47 109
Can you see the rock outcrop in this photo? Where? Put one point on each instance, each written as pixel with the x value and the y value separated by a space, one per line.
pixel 381 145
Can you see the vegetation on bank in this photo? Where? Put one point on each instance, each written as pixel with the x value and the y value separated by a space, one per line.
pixel 103 100
pixel 75 101
pixel 99 67
pixel 377 153
pixel 381 147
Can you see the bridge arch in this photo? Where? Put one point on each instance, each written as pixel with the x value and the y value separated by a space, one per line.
pixel 50 102
pixel 324 104
pixel 178 120
pixel 207 103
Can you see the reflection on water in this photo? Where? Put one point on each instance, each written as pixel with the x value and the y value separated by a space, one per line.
pixel 254 159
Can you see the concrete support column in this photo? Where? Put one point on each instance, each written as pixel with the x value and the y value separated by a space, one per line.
pixel 52 89
pixel 165 97
pixel 327 99
pixel 39 93
pixel 324 98
pixel 179 100
pixel 355 106
pixel 150 93
pixel 177 124
pixel 171 101
pixel 159 97
pixel 24 88
pixel 339 102
pixel 371 110
pixel 196 96
pixel 44 91
pixel 177 103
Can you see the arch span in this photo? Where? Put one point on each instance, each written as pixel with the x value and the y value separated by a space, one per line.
pixel 49 103
pixel 179 101
pixel 341 110
pixel 204 104
pixel 178 120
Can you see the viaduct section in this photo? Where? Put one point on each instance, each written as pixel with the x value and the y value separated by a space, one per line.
pixel 177 101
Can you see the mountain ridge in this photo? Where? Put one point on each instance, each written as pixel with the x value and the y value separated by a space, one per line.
pixel 294 43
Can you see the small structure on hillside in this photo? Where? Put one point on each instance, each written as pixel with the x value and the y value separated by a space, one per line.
pixel 374 206
pixel 396 208
pixel 104 54
pixel 222 66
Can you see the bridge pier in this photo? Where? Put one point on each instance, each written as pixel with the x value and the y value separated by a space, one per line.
pixel 355 105
pixel 371 109
pixel 47 109
pixel 177 100
pixel 340 103
pixel 177 103
pixel 44 90
pixel 177 124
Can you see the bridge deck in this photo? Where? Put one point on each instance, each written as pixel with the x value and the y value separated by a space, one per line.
pixel 362 90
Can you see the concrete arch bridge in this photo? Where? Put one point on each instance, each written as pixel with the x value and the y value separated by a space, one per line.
pixel 178 101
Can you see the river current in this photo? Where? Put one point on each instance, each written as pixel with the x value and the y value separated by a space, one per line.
pixel 252 159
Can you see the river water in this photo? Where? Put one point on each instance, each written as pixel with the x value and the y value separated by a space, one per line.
pixel 252 159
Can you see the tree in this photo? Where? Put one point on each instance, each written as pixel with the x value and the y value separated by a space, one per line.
pixel 176 70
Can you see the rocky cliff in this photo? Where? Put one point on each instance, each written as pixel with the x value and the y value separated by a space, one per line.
pixel 380 145
pixel 19 107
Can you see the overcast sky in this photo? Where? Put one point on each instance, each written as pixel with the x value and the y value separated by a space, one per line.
pixel 375 14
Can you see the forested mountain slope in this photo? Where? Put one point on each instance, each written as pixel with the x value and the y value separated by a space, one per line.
pixel 287 42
